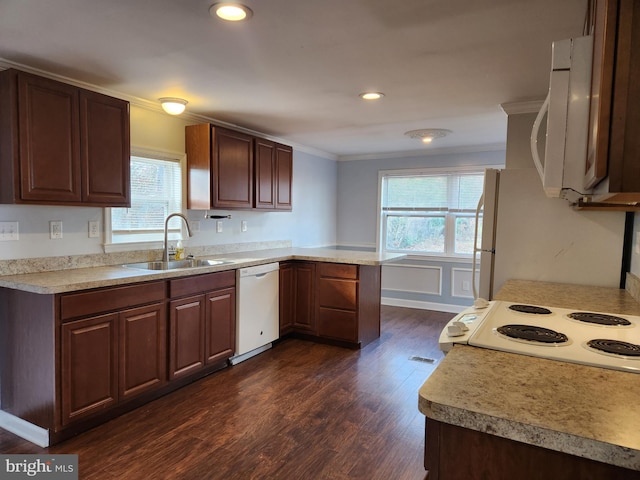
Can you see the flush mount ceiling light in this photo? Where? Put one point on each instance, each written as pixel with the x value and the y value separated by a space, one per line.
pixel 371 95
pixel 426 135
pixel 232 12
pixel 172 105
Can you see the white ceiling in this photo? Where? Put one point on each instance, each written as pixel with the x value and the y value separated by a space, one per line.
pixel 295 69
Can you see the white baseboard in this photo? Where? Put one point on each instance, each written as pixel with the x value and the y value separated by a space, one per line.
pixel 438 307
pixel 24 429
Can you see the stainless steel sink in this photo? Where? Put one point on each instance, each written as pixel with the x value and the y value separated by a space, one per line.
pixel 172 265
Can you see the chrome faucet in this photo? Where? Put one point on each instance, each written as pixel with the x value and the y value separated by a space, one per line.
pixel 165 253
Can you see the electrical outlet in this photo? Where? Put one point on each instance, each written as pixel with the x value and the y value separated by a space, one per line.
pixel 195 225
pixel 219 226
pixel 94 229
pixel 8 231
pixel 55 230
pixel 243 225
pixel 466 286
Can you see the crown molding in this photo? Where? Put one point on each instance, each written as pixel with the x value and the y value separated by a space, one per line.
pixel 155 106
pixel 490 147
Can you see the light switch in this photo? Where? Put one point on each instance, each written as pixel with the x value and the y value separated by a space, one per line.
pixel 219 226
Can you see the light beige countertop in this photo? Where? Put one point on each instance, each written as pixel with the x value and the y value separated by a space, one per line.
pixel 580 410
pixel 73 279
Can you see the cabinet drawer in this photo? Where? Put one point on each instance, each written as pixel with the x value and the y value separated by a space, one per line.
pixel 337 293
pixel 338 270
pixel 201 283
pixel 337 324
pixel 110 299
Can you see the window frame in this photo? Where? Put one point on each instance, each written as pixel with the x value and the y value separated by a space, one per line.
pixel 449 253
pixel 165 155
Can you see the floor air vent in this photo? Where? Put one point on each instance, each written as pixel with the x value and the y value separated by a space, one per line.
pixel 422 359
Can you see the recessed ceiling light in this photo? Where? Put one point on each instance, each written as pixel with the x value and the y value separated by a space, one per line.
pixel 232 12
pixel 371 95
pixel 426 135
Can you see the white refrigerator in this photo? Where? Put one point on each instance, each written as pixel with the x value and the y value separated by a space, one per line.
pixel 526 235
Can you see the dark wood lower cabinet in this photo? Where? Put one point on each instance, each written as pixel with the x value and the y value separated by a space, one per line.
pixel 220 325
pixel 186 346
pixel 303 296
pixel 89 366
pixel 71 361
pixel 201 324
pixel 110 358
pixel 454 453
pixel 330 302
pixel 142 349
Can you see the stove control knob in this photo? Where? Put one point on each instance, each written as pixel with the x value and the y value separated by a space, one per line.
pixel 456 329
pixel 461 325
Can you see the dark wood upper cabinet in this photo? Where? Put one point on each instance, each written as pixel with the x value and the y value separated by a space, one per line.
pixel 232 158
pixel 613 165
pixel 284 177
pixel 219 168
pixel 274 168
pixel 60 144
pixel 105 149
pixel 227 169
pixel 265 153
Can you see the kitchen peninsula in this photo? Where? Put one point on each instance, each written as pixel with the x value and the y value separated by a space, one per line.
pixel 513 416
pixel 79 346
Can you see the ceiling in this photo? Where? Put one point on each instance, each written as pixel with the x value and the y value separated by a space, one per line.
pixel 295 69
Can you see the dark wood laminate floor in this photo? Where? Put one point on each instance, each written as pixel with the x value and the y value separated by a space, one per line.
pixel 298 411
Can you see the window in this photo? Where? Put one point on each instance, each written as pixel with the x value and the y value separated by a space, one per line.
pixel 430 213
pixel 156 191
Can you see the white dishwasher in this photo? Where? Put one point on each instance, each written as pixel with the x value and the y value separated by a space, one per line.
pixel 257 310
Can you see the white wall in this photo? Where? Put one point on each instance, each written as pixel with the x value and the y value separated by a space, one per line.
pixel 541 238
pixel 311 223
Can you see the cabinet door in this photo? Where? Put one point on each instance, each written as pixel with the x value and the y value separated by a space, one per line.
pixel 304 317
pixel 186 333
pixel 142 349
pixel 48 117
pixel 89 357
pixel 287 297
pixel 232 159
pixel 265 174
pixel 104 127
pixel 284 177
pixel 220 325
pixel 624 145
pixel 604 40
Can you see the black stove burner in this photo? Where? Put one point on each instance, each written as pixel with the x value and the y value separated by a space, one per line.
pixel 600 319
pixel 615 347
pixel 533 333
pixel 530 309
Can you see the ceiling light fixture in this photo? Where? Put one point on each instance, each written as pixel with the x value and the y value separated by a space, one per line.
pixel 232 12
pixel 371 95
pixel 172 105
pixel 427 135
